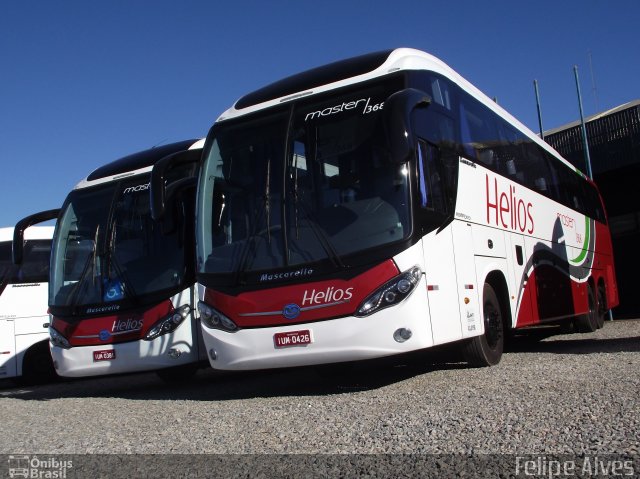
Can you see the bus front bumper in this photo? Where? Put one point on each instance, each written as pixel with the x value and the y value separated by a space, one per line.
pixel 323 342
pixel 165 351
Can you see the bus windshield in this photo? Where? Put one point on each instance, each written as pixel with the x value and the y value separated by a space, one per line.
pixel 305 184
pixel 34 266
pixel 108 249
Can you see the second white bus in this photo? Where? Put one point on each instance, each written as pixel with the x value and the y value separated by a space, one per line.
pixel 122 290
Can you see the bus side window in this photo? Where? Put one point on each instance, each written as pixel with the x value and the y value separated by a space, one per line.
pixel 440 92
pixel 431 182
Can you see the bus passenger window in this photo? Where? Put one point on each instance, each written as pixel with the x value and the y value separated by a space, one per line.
pixel 486 157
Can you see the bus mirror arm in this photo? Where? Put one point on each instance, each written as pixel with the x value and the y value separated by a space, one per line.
pixel 157 188
pixel 23 224
pixel 398 108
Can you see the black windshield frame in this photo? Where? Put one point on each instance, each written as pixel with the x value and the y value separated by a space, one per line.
pixel 291 214
pixel 129 260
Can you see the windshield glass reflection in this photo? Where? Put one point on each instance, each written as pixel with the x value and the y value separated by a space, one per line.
pixel 300 186
pixel 108 248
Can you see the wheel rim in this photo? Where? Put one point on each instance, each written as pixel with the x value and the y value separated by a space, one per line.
pixel 492 324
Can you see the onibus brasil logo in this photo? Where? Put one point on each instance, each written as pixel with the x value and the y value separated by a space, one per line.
pixel 38 467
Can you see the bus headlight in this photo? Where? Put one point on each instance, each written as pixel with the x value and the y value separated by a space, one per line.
pixel 169 323
pixel 214 319
pixel 390 293
pixel 58 339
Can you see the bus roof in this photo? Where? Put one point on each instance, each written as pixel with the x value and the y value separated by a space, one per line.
pixel 137 163
pixel 31 233
pixel 365 67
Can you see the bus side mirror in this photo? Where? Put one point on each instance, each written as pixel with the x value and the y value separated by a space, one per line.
pixel 398 108
pixel 23 224
pixel 183 186
pixel 157 189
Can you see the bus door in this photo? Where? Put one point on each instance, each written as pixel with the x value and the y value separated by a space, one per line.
pixel 441 246
pixel 521 293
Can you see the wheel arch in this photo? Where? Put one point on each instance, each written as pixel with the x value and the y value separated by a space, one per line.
pixel 32 366
pixel 499 283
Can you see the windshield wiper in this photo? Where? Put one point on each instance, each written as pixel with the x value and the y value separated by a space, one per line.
pixel 96 268
pixel 324 241
pixel 112 262
pixel 90 267
pixel 265 211
pixel 267 201
pixel 295 195
pixel 320 235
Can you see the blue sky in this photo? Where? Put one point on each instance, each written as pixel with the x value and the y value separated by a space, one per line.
pixel 83 83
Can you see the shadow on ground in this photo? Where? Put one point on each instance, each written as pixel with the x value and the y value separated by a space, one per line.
pixel 210 385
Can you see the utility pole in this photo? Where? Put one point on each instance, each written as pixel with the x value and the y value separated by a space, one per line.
pixel 585 143
pixel 535 87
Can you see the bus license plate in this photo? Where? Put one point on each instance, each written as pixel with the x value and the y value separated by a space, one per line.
pixel 292 338
pixel 104 355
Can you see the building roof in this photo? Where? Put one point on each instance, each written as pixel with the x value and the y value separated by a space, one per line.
pixel 597 116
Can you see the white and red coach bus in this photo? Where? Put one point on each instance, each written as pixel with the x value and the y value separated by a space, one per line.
pixel 383 204
pixel 122 286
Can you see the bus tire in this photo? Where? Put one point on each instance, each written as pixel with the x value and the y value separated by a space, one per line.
pixel 486 350
pixel 37 366
pixel 602 306
pixel 588 322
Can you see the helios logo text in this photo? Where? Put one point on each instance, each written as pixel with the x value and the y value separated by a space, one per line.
pixel 329 295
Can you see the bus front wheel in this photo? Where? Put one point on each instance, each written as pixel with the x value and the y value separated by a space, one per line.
pixel 37 367
pixel 486 350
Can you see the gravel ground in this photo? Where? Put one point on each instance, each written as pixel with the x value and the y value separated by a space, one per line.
pixel 565 394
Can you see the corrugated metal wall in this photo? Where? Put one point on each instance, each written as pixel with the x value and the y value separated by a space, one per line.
pixel 614 141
